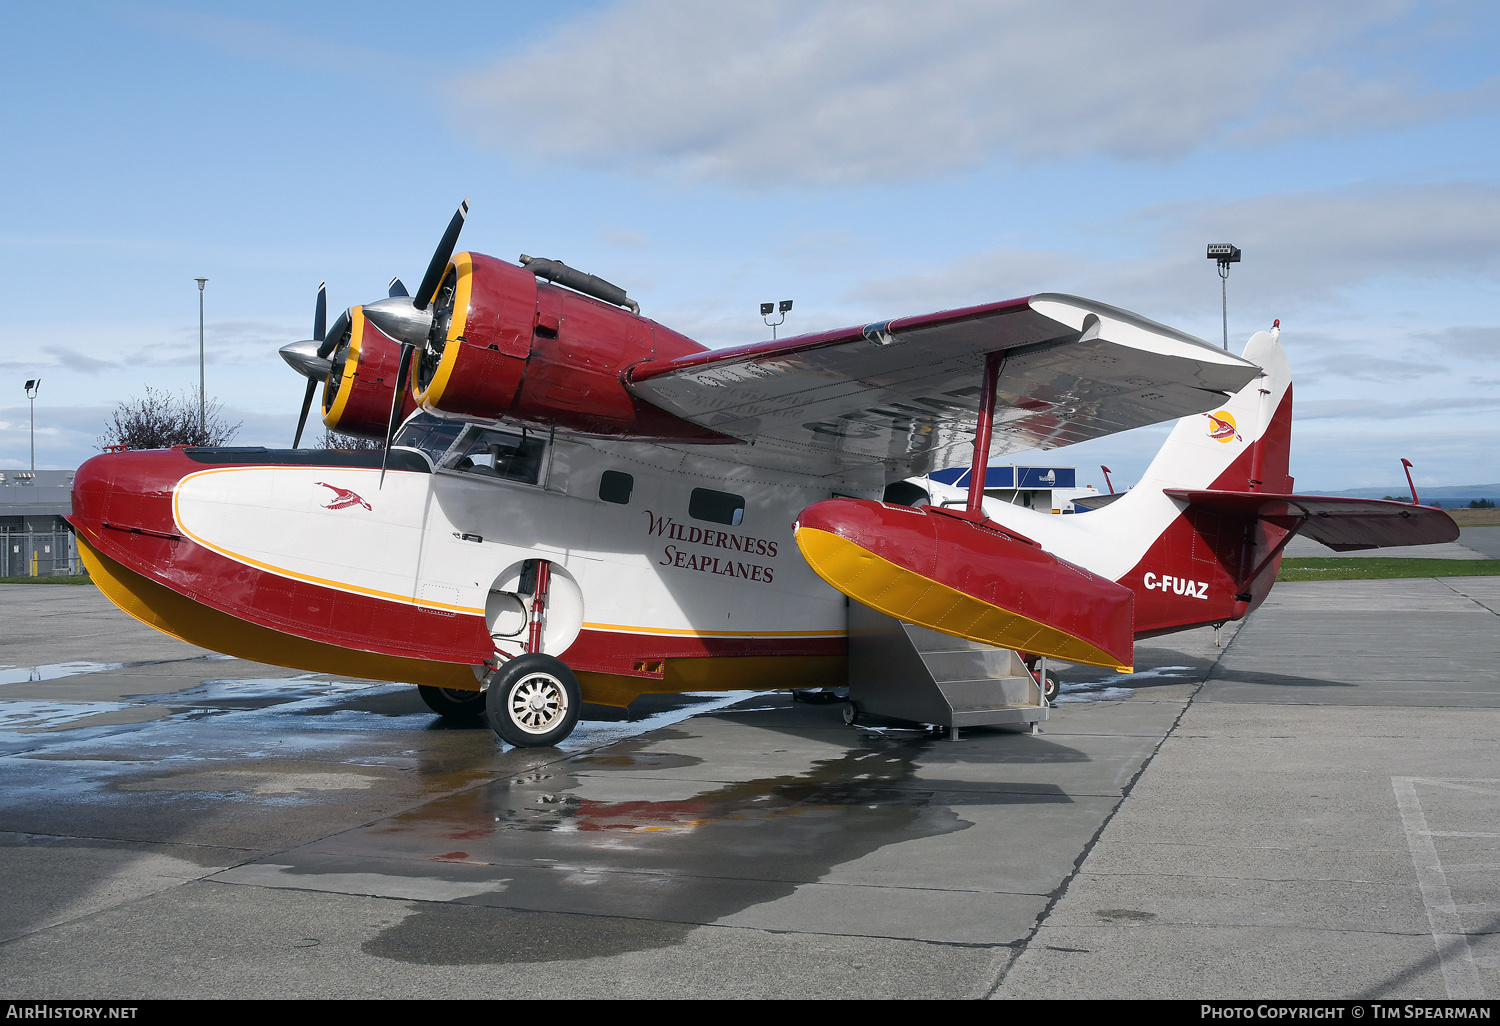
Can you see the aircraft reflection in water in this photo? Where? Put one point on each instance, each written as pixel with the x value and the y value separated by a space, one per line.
pixel 579 504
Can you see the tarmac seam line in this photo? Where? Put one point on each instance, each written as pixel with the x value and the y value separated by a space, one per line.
pixel 1062 889
pixel 1471 598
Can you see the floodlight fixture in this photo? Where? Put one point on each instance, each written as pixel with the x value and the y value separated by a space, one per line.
pixel 1225 253
pixel 766 309
pixel 33 386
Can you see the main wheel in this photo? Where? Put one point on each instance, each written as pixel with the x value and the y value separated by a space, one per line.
pixel 534 701
pixel 451 702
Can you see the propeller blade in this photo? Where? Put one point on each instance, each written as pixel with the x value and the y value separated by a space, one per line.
pixel 327 344
pixel 390 428
pixel 397 288
pixel 307 398
pixel 434 276
pixel 320 315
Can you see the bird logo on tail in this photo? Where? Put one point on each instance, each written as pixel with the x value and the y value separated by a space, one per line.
pixel 1221 427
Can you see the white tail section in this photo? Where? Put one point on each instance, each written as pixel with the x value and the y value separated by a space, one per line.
pixel 1245 440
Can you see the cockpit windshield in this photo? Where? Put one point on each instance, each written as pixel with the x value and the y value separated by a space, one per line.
pixel 432 435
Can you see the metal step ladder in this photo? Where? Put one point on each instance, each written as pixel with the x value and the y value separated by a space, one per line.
pixel 905 672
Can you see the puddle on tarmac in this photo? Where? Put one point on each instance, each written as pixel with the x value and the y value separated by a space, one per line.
pixel 51 671
pixel 1112 689
pixel 57 671
pixel 671 862
pixel 16 716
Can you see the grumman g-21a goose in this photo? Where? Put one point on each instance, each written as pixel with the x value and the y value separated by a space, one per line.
pixel 577 504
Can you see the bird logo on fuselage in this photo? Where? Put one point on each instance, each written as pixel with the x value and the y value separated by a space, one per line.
pixel 1221 426
pixel 343 498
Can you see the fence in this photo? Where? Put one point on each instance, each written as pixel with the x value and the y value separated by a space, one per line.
pixel 38 554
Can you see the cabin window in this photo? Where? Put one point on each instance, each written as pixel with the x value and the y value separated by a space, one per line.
pixel 615 486
pixel 716 507
pixel 508 455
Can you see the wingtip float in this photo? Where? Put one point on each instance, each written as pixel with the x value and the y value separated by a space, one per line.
pixel 940 569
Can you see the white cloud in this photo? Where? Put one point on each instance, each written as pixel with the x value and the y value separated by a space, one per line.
pixel 1303 251
pixel 767 94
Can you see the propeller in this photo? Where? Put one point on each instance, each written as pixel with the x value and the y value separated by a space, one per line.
pixel 310 358
pixel 409 321
pixel 396 288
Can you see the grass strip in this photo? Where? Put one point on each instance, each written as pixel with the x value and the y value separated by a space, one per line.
pixel 79 579
pixel 1346 568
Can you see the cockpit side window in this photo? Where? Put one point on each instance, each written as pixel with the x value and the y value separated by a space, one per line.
pixel 508 455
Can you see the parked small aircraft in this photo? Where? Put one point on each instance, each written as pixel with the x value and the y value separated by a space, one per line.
pixel 577 504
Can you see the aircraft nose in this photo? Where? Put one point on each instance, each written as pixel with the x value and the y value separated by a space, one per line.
pixel 123 493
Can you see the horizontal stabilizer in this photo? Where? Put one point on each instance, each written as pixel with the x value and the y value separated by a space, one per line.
pixel 1343 524
pixel 942 570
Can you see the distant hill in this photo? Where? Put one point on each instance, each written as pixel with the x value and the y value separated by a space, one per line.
pixel 1450 495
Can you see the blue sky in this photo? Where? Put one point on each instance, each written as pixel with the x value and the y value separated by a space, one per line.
pixel 867 160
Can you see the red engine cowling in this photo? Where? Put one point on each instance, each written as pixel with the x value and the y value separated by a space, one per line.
pixel 512 346
pixel 357 394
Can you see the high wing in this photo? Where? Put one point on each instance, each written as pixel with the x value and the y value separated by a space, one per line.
pixel 1341 523
pixel 901 397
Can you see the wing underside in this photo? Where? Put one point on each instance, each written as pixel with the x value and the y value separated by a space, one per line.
pixel 901 398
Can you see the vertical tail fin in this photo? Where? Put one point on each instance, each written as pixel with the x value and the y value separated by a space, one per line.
pixel 1189 566
pixel 1245 445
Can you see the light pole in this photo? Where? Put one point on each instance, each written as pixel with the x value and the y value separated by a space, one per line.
pixel 33 386
pixel 202 417
pixel 1225 254
pixel 765 315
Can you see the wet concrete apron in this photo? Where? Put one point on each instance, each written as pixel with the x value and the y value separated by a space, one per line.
pixel 179 824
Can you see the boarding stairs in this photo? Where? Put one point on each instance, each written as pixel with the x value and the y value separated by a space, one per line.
pixel 904 672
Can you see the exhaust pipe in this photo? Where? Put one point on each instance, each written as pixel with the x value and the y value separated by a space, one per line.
pixel 588 284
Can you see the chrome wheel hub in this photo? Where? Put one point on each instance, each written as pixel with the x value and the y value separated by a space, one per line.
pixel 538 703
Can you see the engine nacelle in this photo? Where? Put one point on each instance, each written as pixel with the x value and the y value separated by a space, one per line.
pixel 507 345
pixel 357 394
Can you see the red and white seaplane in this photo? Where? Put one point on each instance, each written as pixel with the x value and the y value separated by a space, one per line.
pixel 577 504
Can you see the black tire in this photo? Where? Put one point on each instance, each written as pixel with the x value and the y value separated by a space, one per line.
pixel 851 713
pixel 534 701
pixel 452 703
pixel 1051 688
pixel 819 696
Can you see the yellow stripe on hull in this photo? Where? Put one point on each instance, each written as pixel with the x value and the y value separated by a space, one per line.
pixel 908 596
